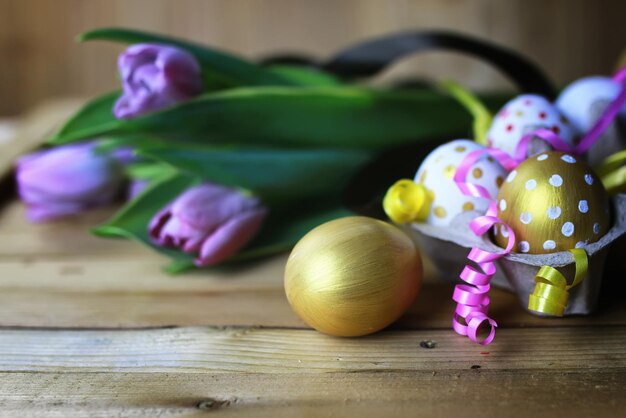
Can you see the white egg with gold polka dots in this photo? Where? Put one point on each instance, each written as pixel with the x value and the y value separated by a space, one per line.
pixel 525 114
pixel 553 202
pixel 437 174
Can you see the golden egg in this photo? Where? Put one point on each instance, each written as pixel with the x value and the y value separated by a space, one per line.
pixel 553 202
pixel 353 276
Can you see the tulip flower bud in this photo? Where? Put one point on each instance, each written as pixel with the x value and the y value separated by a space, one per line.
pixel 154 77
pixel 66 180
pixel 209 220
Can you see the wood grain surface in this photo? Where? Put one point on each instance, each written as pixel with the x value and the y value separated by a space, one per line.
pixel 282 372
pixel 92 327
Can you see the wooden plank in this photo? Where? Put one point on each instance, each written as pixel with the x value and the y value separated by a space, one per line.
pixel 63 238
pixel 218 350
pixel 8 129
pixel 467 393
pixel 271 372
pixel 96 292
pixel 58 275
pixel 34 127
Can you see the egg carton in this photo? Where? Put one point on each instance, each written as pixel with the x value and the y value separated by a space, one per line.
pixel 449 246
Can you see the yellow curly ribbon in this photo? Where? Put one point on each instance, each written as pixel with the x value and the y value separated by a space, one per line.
pixel 612 172
pixel 407 201
pixel 551 293
pixel 482 116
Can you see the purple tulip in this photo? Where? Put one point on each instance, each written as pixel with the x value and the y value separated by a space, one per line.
pixel 211 221
pixel 66 180
pixel 154 77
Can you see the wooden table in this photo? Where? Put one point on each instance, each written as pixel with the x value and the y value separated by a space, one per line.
pixel 93 327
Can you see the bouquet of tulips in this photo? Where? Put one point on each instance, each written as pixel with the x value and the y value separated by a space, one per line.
pixel 225 159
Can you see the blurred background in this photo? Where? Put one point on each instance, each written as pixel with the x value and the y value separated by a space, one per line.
pixel 39 59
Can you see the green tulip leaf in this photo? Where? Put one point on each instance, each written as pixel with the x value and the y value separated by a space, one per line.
pixel 219 68
pixel 339 117
pixel 305 76
pixel 149 170
pixel 109 144
pixel 97 112
pixel 278 176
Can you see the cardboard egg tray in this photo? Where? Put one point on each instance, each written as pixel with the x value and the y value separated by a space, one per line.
pixel 449 246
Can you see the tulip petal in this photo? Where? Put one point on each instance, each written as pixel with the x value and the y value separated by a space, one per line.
pixel 193 245
pixel 182 71
pixel 209 205
pixel 48 212
pixel 68 173
pixel 158 222
pixel 135 56
pixel 198 205
pixel 230 237
pixel 66 180
pixel 180 231
pixel 155 77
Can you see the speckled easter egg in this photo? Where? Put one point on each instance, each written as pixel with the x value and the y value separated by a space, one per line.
pixel 525 114
pixel 553 202
pixel 577 101
pixel 437 174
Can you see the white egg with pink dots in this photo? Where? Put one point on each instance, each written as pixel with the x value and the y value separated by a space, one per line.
pixel 523 115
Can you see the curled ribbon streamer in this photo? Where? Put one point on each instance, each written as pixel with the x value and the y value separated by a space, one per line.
pixel 551 293
pixel 612 171
pixel 521 150
pixel 407 201
pixel 505 160
pixel 472 298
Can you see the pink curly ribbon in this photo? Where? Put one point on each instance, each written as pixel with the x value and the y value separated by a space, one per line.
pixel 505 160
pixel 472 298
pixel 547 135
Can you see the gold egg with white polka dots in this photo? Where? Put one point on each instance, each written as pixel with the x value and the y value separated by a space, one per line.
pixel 553 202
